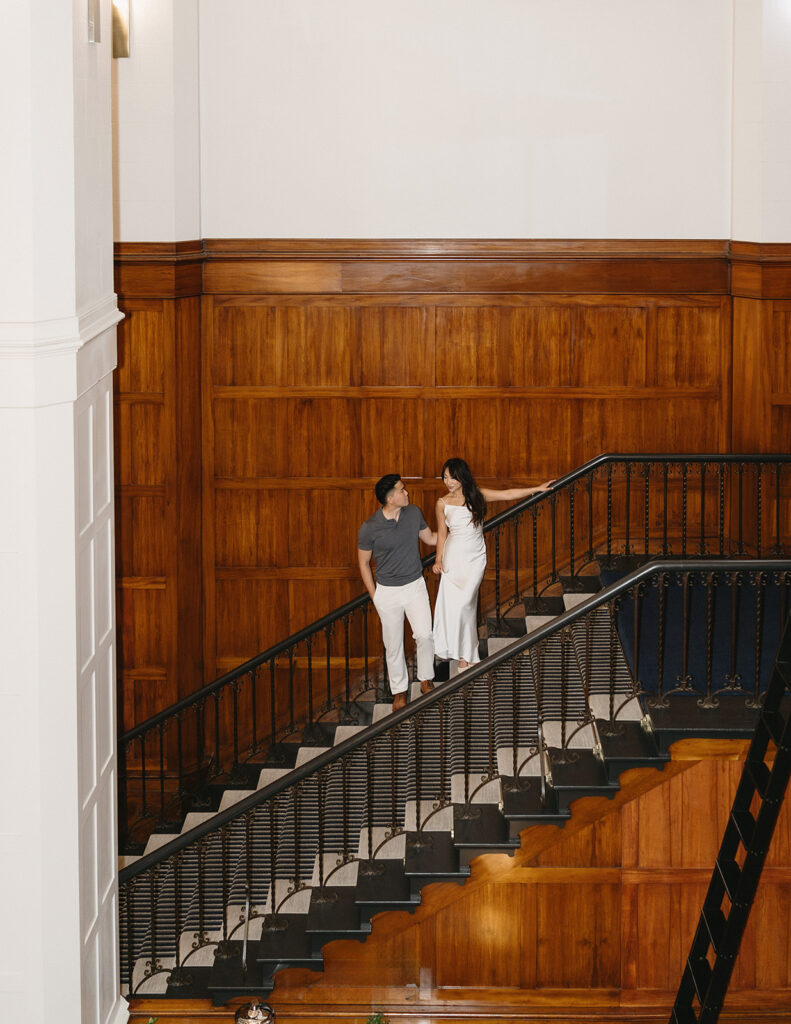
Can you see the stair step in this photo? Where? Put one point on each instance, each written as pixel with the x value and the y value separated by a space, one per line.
pixel 228 979
pixel 684 718
pixel 730 874
pixel 629 747
pixel 317 734
pixel 744 823
pixel 622 564
pixel 479 829
pixel 577 773
pixel 577 589
pixel 284 940
pixel 522 805
pixel 334 914
pixel 511 624
pixel 189 983
pixel 281 755
pixel 553 606
pixel 432 857
pixel 383 885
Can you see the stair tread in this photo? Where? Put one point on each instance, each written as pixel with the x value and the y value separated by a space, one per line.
pixel 289 944
pixel 431 853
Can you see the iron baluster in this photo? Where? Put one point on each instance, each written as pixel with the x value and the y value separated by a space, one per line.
pixel 346 656
pixel 291 695
pixel 272 701
pixel 702 549
pixel 563 690
pixel 143 772
pixel 740 547
pixel 733 677
pixel 327 638
pixel 161 730
pixel 665 473
pixel 683 510
pixel 394 780
pixel 497 611
pixel 759 579
pixel 235 687
pixel 127 901
pixel 345 787
pixel 370 765
pixel 418 727
pixel 217 748
pixel 571 529
pixel 254 709
pixel 759 509
pixel 177 977
pixel 298 835
pixel 322 795
pixel 660 700
pixel 516 704
pixel 637 626
pixel 609 510
pixel 721 475
pixel 590 516
pixel 492 755
pixel 628 470
pixel 534 517
pixel 646 507
pixel 271 920
pixel 249 837
pixel 365 646
pixel 467 742
pixel 443 776
pixel 709 701
pixel 778 548
pixel 224 949
pixel 685 678
pixel 153 965
pixel 309 646
pixel 516 558
pixel 553 504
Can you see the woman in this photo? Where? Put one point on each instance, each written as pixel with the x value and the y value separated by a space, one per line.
pixel 461 559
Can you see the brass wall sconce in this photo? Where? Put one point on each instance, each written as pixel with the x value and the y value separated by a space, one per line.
pixel 120 28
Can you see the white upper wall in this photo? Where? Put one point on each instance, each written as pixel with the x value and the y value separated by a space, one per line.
pixel 455 118
pixel 459 118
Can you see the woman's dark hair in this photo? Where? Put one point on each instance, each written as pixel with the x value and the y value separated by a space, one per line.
pixel 384 486
pixel 473 498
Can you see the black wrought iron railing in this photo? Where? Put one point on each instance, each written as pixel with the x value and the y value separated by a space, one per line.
pixel 614 505
pixel 505 726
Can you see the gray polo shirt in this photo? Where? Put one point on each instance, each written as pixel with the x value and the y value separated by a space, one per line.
pixel 394 543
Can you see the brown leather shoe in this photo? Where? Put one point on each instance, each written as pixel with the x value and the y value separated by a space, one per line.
pixel 426 686
pixel 399 701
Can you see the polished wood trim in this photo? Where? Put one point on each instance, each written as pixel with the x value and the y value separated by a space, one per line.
pixel 443 391
pixel 489 247
pixel 142 582
pixel 165 250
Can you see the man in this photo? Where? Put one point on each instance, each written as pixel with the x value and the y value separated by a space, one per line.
pixel 391 536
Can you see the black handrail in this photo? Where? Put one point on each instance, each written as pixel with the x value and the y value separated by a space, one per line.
pixel 213 755
pixel 490 524
pixel 621 588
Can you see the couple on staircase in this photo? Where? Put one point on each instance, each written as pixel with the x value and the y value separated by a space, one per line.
pixel 390 537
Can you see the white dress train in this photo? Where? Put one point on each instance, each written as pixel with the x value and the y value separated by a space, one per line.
pixel 456 610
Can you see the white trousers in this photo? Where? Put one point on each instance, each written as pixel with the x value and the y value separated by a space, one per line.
pixel 392 604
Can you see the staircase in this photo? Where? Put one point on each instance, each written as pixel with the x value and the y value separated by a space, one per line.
pixel 346 818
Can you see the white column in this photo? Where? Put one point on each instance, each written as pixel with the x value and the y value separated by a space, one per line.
pixel 762 121
pixel 58 881
pixel 156 94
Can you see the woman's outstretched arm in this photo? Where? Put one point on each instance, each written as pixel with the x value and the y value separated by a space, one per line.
pixel 514 493
pixel 442 535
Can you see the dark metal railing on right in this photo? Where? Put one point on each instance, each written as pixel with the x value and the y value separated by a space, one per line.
pixel 613 506
pixel 502 728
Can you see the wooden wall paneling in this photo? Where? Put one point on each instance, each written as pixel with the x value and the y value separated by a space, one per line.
pixel 397 345
pixel 609 346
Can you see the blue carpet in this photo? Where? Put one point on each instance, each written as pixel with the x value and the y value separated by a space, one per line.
pixel 774 601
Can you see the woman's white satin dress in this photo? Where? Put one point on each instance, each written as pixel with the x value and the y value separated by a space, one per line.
pixel 456 610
